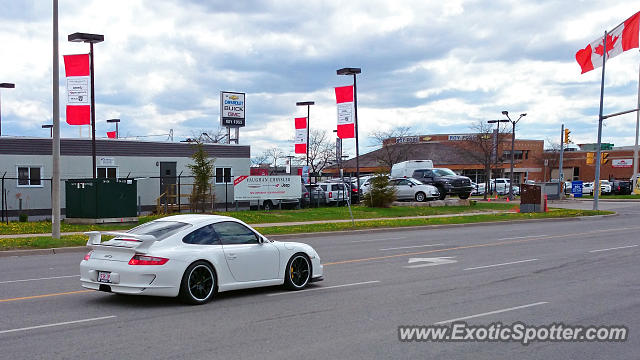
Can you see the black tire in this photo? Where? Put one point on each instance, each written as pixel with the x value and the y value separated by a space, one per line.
pixel 267 205
pixel 464 196
pixel 298 272
pixel 198 284
pixel 420 196
pixel 443 193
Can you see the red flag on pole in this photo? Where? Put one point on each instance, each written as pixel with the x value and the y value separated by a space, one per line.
pixel 111 134
pixel 344 100
pixel 301 135
pixel 76 68
pixel 619 40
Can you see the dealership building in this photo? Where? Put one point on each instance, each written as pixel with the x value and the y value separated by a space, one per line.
pixel 26 165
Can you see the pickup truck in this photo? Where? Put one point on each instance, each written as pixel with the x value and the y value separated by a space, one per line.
pixel 447 182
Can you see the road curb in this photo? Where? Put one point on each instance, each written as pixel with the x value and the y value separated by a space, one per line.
pixel 84 249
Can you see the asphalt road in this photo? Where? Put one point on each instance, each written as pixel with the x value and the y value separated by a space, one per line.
pixel 579 272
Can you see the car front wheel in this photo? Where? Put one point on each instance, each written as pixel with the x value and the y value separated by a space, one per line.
pixel 420 197
pixel 298 272
pixel 443 193
pixel 198 283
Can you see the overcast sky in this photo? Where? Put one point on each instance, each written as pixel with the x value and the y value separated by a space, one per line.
pixel 436 66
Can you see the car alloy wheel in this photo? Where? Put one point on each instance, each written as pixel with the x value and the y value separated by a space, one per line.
pixel 420 197
pixel 298 272
pixel 198 283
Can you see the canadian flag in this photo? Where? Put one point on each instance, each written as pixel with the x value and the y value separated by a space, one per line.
pixel 111 134
pixel 76 68
pixel 301 135
pixel 346 124
pixel 620 39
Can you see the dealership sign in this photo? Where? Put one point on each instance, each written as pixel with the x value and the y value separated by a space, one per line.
pixel 622 163
pixel 267 187
pixel 232 109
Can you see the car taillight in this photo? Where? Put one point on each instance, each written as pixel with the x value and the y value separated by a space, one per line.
pixel 134 240
pixel 147 260
pixel 330 194
pixel 88 256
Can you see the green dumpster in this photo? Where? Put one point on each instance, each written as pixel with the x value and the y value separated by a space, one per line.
pixel 101 198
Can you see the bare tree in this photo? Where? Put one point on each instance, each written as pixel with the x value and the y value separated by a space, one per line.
pixel 210 136
pixel 321 151
pixel 483 146
pixel 550 157
pixel 391 151
pixel 272 155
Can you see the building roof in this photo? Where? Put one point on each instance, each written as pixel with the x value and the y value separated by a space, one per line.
pixel 116 147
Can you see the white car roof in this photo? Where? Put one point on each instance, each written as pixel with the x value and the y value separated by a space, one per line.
pixel 196 219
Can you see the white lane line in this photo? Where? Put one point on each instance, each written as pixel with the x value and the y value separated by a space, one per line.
pixel 44 278
pixel 325 287
pixel 370 240
pixel 615 248
pixel 57 324
pixel 503 264
pixel 491 313
pixel 521 237
pixel 409 247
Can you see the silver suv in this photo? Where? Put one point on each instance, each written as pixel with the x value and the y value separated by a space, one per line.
pixel 334 192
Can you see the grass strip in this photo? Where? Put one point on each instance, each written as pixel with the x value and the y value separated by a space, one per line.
pixel 80 240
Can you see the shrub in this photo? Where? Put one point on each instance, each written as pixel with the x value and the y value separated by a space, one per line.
pixel 23 217
pixel 381 194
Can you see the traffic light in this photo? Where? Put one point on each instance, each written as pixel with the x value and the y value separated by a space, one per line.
pixel 590 158
pixel 566 136
pixel 603 158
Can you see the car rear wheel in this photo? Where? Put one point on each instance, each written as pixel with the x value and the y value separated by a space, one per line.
pixel 198 283
pixel 443 193
pixel 420 197
pixel 267 205
pixel 298 272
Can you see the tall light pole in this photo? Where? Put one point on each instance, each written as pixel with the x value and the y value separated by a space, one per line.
pixel 4 86
pixel 497 142
pixel 91 39
pixel 55 133
pixel 354 72
pixel 513 140
pixel 50 127
pixel 308 104
pixel 118 121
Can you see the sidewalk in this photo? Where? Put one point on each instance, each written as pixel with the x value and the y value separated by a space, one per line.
pixel 13 236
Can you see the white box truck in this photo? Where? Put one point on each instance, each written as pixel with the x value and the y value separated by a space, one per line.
pixel 406 168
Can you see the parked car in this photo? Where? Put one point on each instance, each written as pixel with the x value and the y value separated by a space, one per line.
pixel 412 189
pixel 587 188
pixel 316 195
pixel 605 187
pixel 194 257
pixel 447 182
pixel 478 189
pixel 350 182
pixel 622 187
pixel 335 193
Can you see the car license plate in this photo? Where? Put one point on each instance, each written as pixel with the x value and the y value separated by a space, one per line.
pixel 104 276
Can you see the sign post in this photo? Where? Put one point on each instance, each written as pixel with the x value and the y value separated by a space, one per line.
pixel 232 107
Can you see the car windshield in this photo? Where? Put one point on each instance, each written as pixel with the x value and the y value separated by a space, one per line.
pixel 416 182
pixel 443 172
pixel 159 229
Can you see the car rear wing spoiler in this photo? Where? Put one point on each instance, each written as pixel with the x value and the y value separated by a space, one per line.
pixel 145 241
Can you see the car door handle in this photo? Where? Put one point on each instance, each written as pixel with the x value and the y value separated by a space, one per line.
pixel 232 256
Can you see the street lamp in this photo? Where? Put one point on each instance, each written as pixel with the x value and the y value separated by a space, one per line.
pixel 354 72
pixel 50 127
pixel 115 121
pixel 4 86
pixel 497 141
pixel 513 140
pixel 91 39
pixel 308 104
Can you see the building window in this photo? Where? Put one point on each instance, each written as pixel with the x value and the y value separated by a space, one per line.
pixel 107 172
pixel 223 175
pixel 517 154
pixel 29 176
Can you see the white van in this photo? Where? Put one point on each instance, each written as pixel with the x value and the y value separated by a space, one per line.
pixel 406 168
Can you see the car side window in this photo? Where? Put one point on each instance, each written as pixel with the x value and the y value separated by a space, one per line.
pixel 393 182
pixel 203 236
pixel 324 187
pixel 233 233
pixel 403 182
pixel 427 173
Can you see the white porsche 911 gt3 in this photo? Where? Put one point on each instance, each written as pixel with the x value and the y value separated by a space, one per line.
pixel 193 257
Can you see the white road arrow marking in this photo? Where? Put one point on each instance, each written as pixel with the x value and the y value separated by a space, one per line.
pixel 430 261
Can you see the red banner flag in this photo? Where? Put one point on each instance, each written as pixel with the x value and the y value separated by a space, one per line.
pixel 344 100
pixel 619 40
pixel 111 134
pixel 301 135
pixel 76 68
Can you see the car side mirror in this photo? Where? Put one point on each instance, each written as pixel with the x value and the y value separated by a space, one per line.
pixel 410 185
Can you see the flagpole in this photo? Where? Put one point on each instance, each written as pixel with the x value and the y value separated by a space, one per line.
pixel 55 147
pixel 635 149
pixel 596 183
